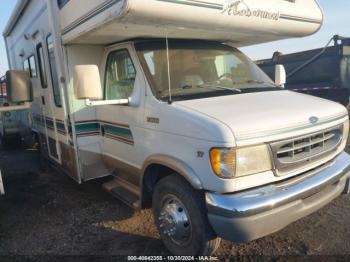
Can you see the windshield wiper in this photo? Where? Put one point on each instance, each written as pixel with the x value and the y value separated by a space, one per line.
pixel 227 88
pixel 260 82
pixel 213 87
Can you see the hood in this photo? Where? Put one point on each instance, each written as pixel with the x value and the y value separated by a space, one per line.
pixel 262 114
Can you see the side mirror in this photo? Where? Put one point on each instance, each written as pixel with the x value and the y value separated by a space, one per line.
pixel 87 82
pixel 87 85
pixel 18 86
pixel 280 75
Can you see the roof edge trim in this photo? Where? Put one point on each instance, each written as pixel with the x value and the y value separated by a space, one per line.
pixel 15 16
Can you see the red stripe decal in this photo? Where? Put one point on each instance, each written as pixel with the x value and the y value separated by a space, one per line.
pixel 120 139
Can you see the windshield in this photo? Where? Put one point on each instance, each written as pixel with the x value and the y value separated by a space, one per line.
pixel 200 69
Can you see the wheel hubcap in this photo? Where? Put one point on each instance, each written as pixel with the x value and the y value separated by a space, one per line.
pixel 174 220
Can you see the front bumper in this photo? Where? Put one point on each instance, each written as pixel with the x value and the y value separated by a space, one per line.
pixel 253 214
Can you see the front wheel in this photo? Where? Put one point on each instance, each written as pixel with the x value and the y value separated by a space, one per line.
pixel 180 216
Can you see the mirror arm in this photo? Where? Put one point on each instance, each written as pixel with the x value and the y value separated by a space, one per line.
pixel 88 102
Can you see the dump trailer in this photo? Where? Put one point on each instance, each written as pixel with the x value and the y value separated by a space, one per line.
pixel 155 95
pixel 323 72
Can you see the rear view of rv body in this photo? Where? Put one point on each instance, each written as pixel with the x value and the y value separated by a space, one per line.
pixel 154 95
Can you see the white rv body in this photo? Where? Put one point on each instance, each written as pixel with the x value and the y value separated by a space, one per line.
pixel 133 142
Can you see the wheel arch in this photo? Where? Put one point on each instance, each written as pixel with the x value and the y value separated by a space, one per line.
pixel 159 166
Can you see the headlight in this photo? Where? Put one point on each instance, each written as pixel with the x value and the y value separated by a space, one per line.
pixel 229 162
pixel 252 160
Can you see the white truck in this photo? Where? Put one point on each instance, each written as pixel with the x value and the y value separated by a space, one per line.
pixel 156 95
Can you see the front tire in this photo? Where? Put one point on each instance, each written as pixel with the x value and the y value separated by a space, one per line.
pixel 180 216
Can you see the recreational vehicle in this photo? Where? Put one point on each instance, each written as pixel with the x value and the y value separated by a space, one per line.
pixel 155 95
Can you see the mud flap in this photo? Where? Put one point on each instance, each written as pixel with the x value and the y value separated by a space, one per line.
pixel 2 190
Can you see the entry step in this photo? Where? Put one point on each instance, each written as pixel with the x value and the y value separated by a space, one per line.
pixel 123 191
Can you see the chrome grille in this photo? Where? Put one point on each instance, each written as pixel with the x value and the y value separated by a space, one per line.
pixel 302 150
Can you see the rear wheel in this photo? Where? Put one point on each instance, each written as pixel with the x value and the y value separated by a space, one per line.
pixel 181 218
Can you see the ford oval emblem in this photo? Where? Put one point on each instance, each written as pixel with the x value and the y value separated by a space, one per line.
pixel 313 119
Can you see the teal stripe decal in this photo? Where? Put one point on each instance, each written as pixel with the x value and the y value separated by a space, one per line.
pixel 300 19
pixel 49 123
pixel 114 131
pixel 40 120
pixel 220 7
pixel 117 131
pixel 61 127
pixel 88 127
pixel 89 16
pixel 195 3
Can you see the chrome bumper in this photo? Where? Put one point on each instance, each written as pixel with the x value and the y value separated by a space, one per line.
pixel 285 202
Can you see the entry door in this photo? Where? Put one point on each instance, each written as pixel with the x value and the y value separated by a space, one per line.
pixel 49 104
pixel 120 124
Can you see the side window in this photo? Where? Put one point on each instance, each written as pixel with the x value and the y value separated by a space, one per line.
pixel 149 57
pixel 32 66
pixel 41 65
pixel 120 75
pixel 29 66
pixel 53 71
pixel 26 66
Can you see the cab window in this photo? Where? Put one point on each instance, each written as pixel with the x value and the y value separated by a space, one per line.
pixel 53 70
pixel 120 75
pixel 41 65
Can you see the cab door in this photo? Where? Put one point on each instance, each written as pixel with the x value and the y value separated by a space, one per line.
pixel 121 124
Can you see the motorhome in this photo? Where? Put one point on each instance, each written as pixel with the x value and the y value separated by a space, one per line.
pixel 155 95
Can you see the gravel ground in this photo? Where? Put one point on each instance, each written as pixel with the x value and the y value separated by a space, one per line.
pixel 49 214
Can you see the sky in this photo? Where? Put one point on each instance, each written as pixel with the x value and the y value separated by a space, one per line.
pixel 6 7
pixel 337 21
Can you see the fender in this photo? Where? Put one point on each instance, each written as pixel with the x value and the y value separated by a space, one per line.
pixel 176 164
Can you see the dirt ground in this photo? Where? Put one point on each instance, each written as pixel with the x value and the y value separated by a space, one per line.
pixel 49 214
